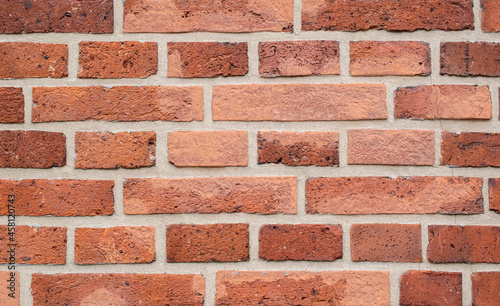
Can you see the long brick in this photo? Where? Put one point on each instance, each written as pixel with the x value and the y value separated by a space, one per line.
pixel 207 243
pixel 115 60
pixel 294 102
pixel 390 147
pixel 383 195
pixel 256 195
pixel 34 245
pixel 59 16
pixel 12 105
pixel 10 291
pixel 485 288
pixel 470 59
pixel 208 148
pixel 302 288
pixel 120 244
pixel 311 242
pixel 386 242
pixel 207 59
pixel 118 103
pixel 494 191
pixel 33 60
pixel 490 15
pixel 32 149
pixel 117 289
pixel 392 15
pixel 470 243
pixel 470 149
pixel 430 288
pixel 41 197
pixel 379 58
pixel 171 16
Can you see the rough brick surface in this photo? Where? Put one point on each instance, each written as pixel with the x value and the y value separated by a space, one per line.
pixel 374 58
pixel 257 195
pixel 470 59
pixel 302 288
pixel 299 148
pixel 10 291
pixel 32 149
pixel 120 244
pixel 386 242
pixel 207 243
pixel 33 60
pixel 298 58
pixel 112 60
pixel 207 59
pixel 311 242
pixel 485 288
pixel 12 105
pixel 431 288
pixel 490 15
pixel 293 102
pixel 390 147
pixel 494 191
pixel 101 150
pixel 63 197
pixel 117 289
pixel 469 149
pixel 470 243
pixel 118 103
pixel 383 195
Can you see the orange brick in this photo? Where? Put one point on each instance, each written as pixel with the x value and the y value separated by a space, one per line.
pixel 485 288
pixel 470 149
pixel 490 15
pixel 430 288
pixel 12 105
pixel 10 291
pixel 494 191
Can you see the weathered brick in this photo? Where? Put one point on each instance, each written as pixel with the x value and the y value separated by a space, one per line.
pixel 485 288
pixel 494 191
pixel 96 150
pixel 469 149
pixel 383 195
pixel 293 102
pixel 302 288
pixel 120 244
pixel 118 103
pixel 386 242
pixel 59 16
pixel 379 58
pixel 392 15
pixel 10 291
pixel 490 15
pixel 208 148
pixel 430 288
pixel 298 58
pixel 207 243
pixel 114 60
pixel 255 195
pixel 117 289
pixel 443 102
pixel 43 197
pixel 470 243
pixel 311 242
pixel 32 149
pixel 390 147
pixel 12 105
pixel 207 59
pixel 33 60
pixel 470 59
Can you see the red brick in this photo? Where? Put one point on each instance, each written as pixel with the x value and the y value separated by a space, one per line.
pixel 33 60
pixel 120 244
pixel 431 288
pixel 292 102
pixel 470 149
pixel 42 197
pixel 35 245
pixel 298 58
pixel 96 150
pixel 443 102
pixel 32 149
pixel 379 58
pixel 115 60
pixel 208 148
pixel 207 243
pixel 494 191
pixel 390 147
pixel 490 15
pixel 10 291
pixel 470 59
pixel 117 289
pixel 299 148
pixel 485 288
pixel 254 195
pixel 470 243
pixel 12 105
pixel 383 195
pixel 207 59
pixel 311 242
pixel 386 242
pixel 171 16
pixel 59 16
pixel 392 15
pixel 302 288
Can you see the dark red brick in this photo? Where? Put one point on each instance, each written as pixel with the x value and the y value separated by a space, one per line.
pixel 12 105
pixel 431 288
pixel 470 59
pixel 485 288
pixel 470 149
